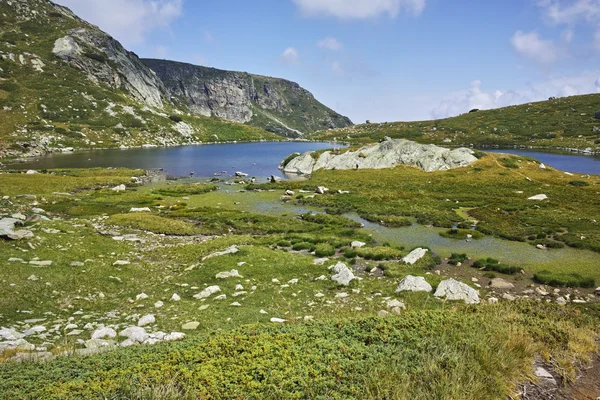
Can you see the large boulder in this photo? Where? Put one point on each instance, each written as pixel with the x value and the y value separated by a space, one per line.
pixel 415 256
pixel 387 154
pixel 8 226
pixel 413 284
pixel 454 290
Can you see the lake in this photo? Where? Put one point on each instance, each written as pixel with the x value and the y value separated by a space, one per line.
pixel 259 159
pixel 569 162
pixel 256 159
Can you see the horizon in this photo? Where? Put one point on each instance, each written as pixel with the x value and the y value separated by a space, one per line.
pixel 524 52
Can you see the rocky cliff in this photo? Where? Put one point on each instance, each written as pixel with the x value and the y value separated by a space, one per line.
pixel 66 84
pixel 278 105
pixel 387 154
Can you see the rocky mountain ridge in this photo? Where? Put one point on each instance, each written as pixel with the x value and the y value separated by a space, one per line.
pixel 65 84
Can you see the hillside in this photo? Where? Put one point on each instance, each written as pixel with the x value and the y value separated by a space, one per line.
pixel 66 84
pixel 567 122
pixel 278 105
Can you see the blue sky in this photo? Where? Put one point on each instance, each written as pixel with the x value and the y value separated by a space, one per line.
pixel 383 60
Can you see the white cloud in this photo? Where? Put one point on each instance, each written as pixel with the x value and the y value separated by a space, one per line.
pixel 330 43
pixel 571 11
pixel 358 9
pixel 476 97
pixel 127 20
pixel 532 46
pixel 336 68
pixel 289 56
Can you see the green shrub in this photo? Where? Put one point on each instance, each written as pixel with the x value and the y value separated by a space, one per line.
pixel 289 158
pixel 490 264
pixel 175 118
pixel 303 246
pixel 579 183
pixel 324 250
pixel 9 86
pixel 456 258
pixel 284 243
pixel 564 280
pixel 379 253
pixel 100 57
pixel 461 234
pixel 350 253
pixel 185 190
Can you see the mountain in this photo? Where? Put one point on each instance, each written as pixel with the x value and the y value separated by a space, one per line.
pixel 66 84
pixel 561 123
pixel 278 105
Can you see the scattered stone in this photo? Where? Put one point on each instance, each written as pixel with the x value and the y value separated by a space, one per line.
pixel 209 291
pixel 104 333
pixel 395 304
pixel 33 278
pixel 383 313
pixel 159 304
pixel 278 320
pixel 343 275
pixel 231 274
pixel 141 209
pixel 77 264
pixel 499 283
pixel 190 326
pixel 231 250
pixel 146 320
pixel 320 261
pixel 175 297
pixel 357 245
pixel 413 284
pixel 545 377
pixel 40 263
pixel 119 188
pixel 7 229
pixel 321 190
pixel 509 297
pixel 263 312
pixel 539 197
pixel 454 290
pixel 235 304
pixel 120 263
pixel 415 256
pixel 561 301
pixel 493 300
pixel 141 296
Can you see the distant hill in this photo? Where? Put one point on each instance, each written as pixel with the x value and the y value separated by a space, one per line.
pixel 567 122
pixel 64 83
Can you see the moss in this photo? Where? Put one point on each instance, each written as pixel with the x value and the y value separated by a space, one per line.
pixel 564 280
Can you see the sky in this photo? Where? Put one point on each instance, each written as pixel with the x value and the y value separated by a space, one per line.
pixel 378 60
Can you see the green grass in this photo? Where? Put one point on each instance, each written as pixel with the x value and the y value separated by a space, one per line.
pixel 456 258
pixel 490 264
pixel 566 122
pixel 564 280
pixel 152 223
pixel 185 190
pixel 441 354
pixel 461 234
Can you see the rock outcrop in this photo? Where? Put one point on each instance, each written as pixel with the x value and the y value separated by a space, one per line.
pixel 387 154
pixel 278 105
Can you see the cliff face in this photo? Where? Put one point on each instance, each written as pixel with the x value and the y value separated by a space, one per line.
pixel 278 105
pixel 66 84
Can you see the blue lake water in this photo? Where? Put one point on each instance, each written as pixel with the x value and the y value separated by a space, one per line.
pixel 256 159
pixel 562 161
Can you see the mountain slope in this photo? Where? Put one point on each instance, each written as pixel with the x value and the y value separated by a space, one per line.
pixel 277 105
pixel 567 122
pixel 66 84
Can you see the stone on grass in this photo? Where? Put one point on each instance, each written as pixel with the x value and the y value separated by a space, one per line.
pixel 136 334
pixel 141 209
pixel 209 291
pixel 159 304
pixel 146 320
pixel 539 197
pixel 343 275
pixel 190 326
pixel 320 261
pixel 413 284
pixel 120 263
pixel 103 333
pixel 499 283
pixel 230 250
pixel 229 274
pixel 119 188
pixel 174 336
pixel 357 244
pixel 41 263
pixel 141 296
pixel 278 320
pixel 175 297
pixel 415 256
pixel 383 313
pixel 395 304
pixel 454 290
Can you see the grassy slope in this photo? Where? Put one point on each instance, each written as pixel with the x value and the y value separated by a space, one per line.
pixel 435 350
pixel 63 107
pixel 564 122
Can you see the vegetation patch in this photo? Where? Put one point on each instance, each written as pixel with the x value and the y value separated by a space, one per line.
pixel 457 258
pixel 490 264
pixel 152 223
pixel 461 234
pixel 564 280
pixel 185 190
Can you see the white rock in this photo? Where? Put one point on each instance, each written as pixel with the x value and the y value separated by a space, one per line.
pixel 33 278
pixel 175 297
pixel 263 312
pixel 415 256
pixel 395 303
pixel 146 320
pixel 104 333
pixel 120 263
pixel 413 284
pixel 209 291
pixel 356 244
pixel 221 297
pixel 343 275
pixel 141 296
pixel 454 290
pixel 141 209
pixel 539 197
pixel 235 304
pixel 159 304
pixel 493 300
pixel 119 188
pixel 231 274
pixel 174 336
pixel 278 320
pixel 320 261
pixel 134 333
pixel 230 250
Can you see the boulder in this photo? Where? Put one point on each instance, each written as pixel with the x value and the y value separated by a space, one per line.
pixel 343 275
pixel 104 333
pixel 413 284
pixel 357 245
pixel 415 255
pixel 190 326
pixel 228 274
pixel 119 188
pixel 321 190
pixel 136 334
pixel 387 154
pixel 8 226
pixel 454 290
pixel 499 283
pixel 538 197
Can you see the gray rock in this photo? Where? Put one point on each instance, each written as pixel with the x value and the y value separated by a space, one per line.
pixel 146 320
pixel 230 250
pixel 413 284
pixel 209 291
pixel 386 154
pixel 342 274
pixel 8 229
pixel 356 244
pixel 499 283
pixel 415 256
pixel 136 334
pixel 103 333
pixel 453 290
pixel 228 274
pixel 190 325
